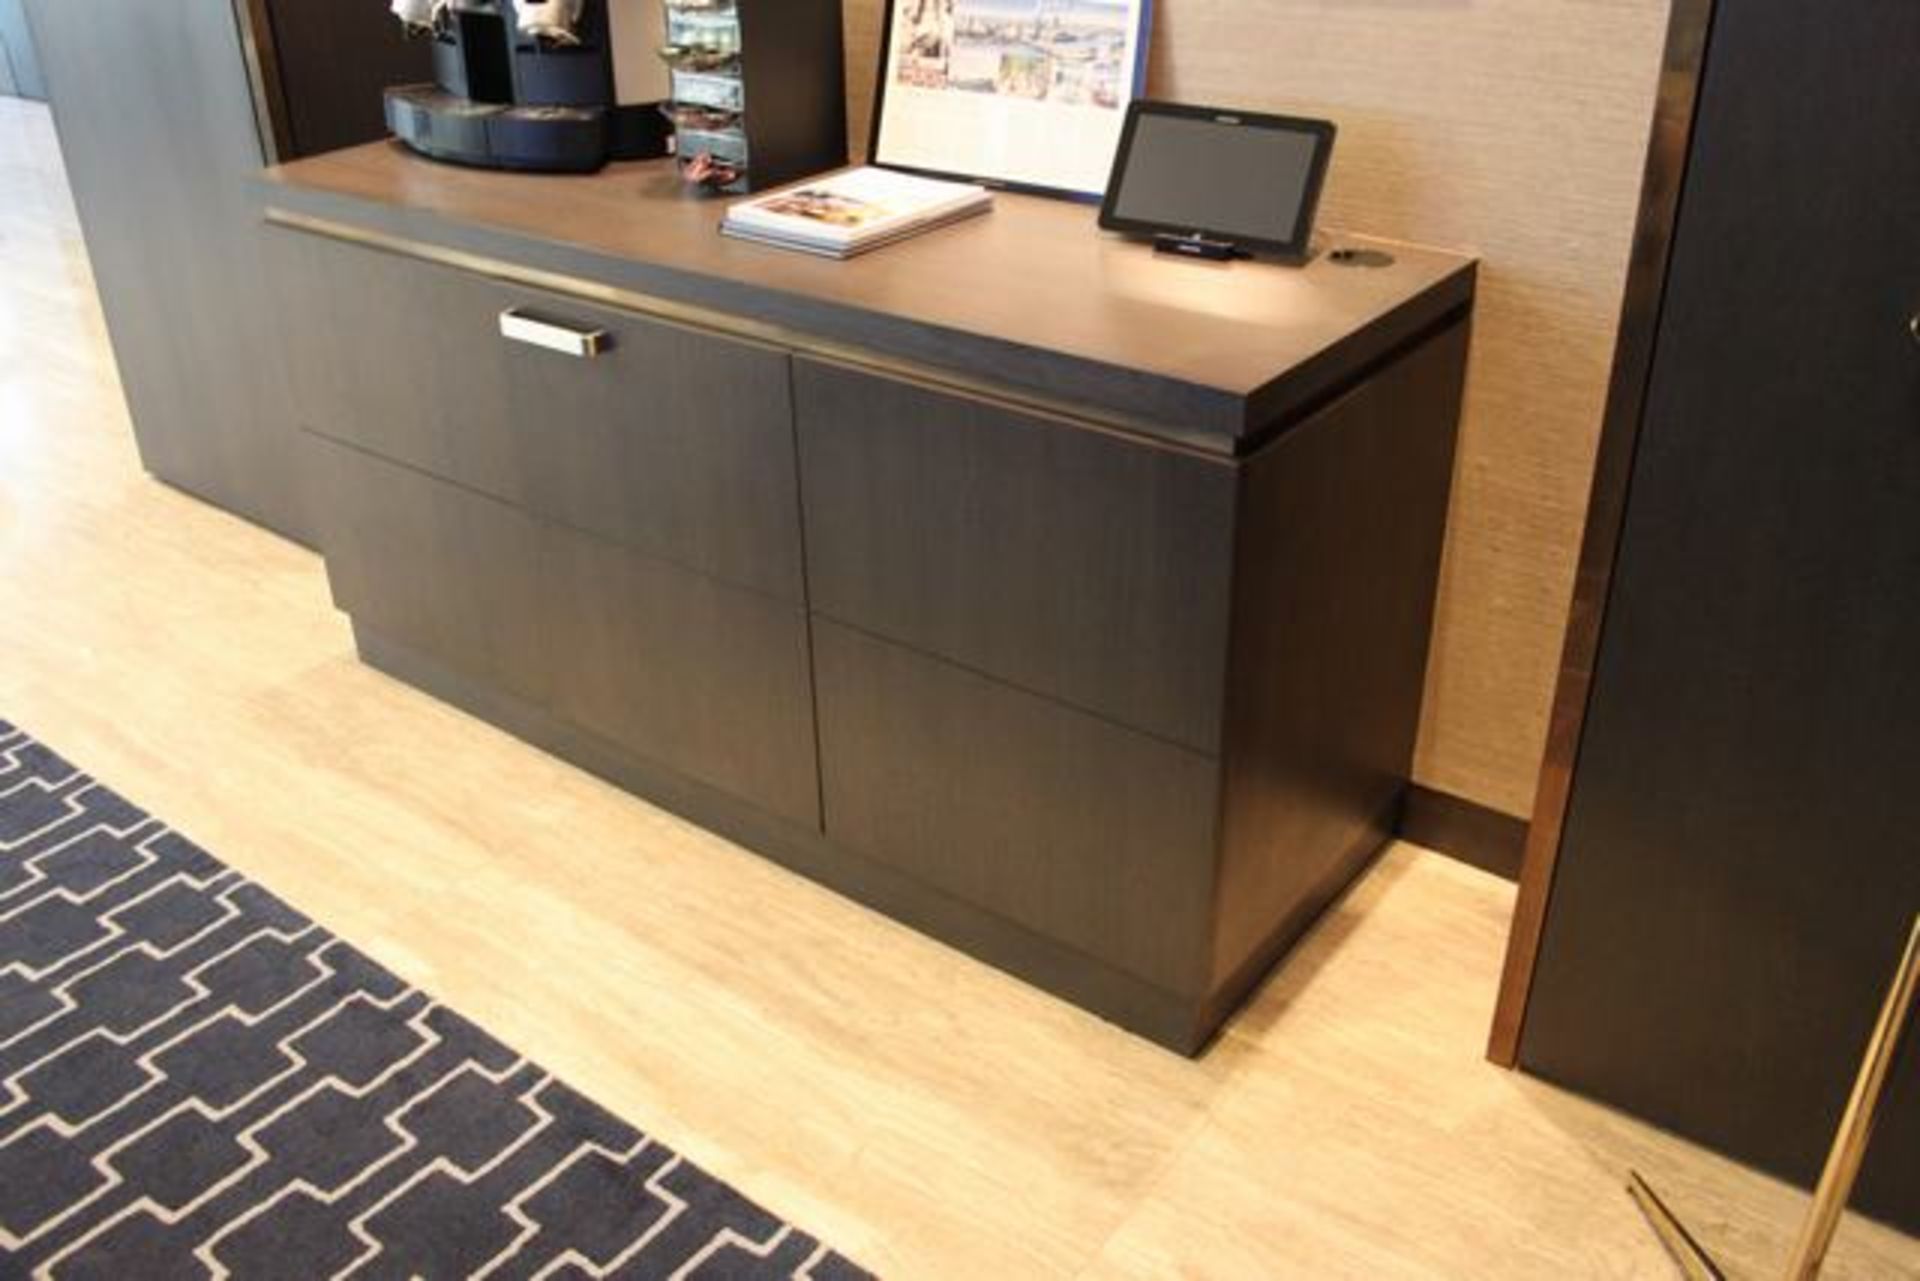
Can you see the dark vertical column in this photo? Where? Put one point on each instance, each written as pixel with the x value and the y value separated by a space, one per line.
pixel 157 127
pixel 19 63
pixel 333 60
pixel 1739 864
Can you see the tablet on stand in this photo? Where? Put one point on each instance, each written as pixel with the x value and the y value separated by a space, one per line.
pixel 1217 184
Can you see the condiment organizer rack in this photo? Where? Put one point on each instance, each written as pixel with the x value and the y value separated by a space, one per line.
pixel 758 90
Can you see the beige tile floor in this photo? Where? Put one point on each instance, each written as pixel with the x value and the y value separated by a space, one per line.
pixel 930 1116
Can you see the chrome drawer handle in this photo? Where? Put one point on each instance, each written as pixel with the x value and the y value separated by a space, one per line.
pixel 582 344
pixel 1913 326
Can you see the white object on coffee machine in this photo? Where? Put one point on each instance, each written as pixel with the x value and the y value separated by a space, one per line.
pixel 555 20
pixel 637 27
pixel 419 15
pixel 415 14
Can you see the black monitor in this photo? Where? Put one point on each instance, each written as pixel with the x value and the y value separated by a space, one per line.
pixel 1229 177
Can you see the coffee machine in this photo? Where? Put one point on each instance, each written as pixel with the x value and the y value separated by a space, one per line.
pixel 542 85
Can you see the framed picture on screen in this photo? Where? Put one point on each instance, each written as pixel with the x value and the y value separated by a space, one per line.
pixel 1026 95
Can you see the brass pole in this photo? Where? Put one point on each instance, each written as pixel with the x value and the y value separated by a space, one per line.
pixel 1695 1263
pixel 1856 1125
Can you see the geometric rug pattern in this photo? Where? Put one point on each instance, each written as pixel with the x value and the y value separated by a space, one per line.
pixel 197 1081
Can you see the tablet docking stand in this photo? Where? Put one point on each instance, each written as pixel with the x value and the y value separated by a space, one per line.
pixel 1198 246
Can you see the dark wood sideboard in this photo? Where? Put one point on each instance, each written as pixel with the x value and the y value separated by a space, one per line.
pixel 1069 604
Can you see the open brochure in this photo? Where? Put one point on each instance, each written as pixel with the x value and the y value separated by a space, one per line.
pixel 850 213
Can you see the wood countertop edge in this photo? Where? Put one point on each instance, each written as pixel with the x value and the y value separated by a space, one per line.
pixel 1154 408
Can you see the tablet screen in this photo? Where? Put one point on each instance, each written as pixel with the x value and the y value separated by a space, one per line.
pixel 1248 178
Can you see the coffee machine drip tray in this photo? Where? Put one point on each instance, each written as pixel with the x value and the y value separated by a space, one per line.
pixel 505 136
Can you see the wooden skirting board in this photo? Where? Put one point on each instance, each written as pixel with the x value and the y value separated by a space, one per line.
pixel 1460 829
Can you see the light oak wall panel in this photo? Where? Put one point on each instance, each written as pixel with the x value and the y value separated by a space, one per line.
pixel 1516 129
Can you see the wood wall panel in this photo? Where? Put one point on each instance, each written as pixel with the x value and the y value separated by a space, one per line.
pixel 19 60
pixel 332 61
pixel 1516 129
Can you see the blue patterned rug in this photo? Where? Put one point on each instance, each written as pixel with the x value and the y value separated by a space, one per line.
pixel 197 1081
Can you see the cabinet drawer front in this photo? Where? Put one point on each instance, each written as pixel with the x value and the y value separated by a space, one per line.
pixel 671 441
pixel 1086 833
pixel 706 679
pixel 1083 567
pixel 710 680
pixel 400 359
pixel 443 570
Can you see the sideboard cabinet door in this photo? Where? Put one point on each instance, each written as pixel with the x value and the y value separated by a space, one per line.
pixel 1075 564
pixel 670 667
pixel 710 680
pixel 452 575
pixel 400 359
pixel 1079 830
pixel 675 442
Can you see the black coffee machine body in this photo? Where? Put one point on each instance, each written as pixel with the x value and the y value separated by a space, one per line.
pixel 507 99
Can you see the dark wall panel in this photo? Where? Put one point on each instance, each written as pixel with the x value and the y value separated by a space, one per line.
pixel 19 62
pixel 334 59
pixel 158 133
pixel 1740 863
